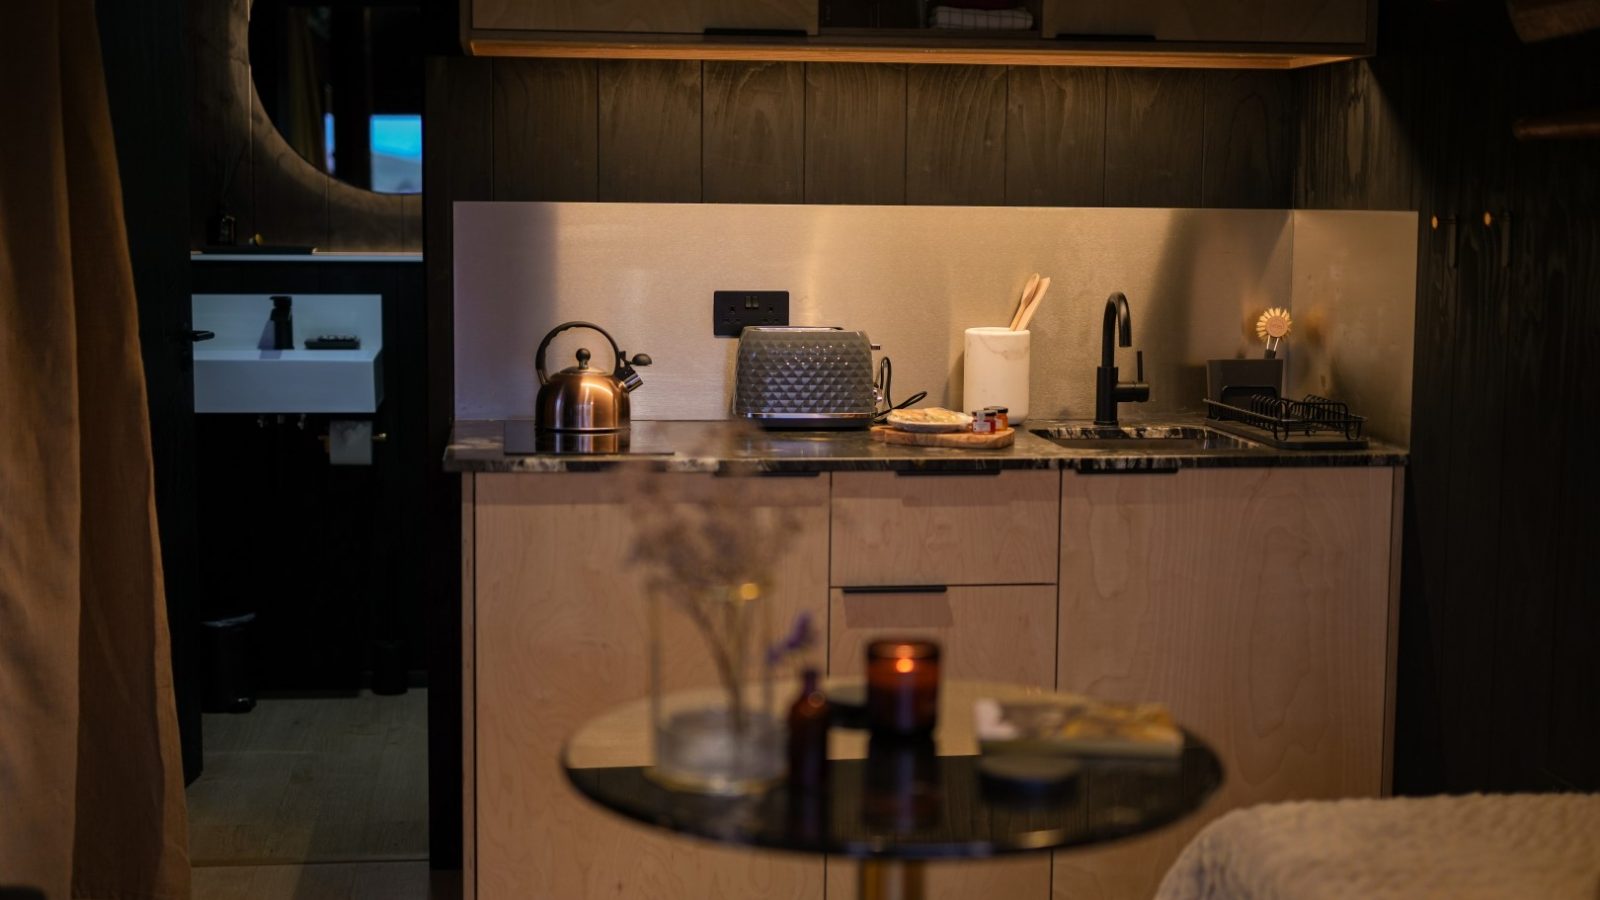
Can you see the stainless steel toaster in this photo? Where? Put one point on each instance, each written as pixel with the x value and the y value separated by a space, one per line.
pixel 804 377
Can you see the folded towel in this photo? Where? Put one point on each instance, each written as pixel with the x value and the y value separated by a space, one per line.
pixel 1478 846
pixel 1018 19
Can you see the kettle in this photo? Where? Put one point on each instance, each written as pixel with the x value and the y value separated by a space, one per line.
pixel 583 400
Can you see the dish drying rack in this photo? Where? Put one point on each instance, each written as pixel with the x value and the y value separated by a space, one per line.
pixel 1312 422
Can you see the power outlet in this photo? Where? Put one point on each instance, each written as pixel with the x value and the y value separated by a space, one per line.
pixel 731 311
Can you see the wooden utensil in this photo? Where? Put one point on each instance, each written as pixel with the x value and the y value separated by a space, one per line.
pixel 1033 307
pixel 1027 297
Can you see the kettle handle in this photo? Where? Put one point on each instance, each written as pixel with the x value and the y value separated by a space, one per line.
pixel 538 358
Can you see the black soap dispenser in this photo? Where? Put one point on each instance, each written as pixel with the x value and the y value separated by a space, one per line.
pixel 282 322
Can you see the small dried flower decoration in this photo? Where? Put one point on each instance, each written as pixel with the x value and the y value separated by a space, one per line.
pixel 709 553
pixel 802 635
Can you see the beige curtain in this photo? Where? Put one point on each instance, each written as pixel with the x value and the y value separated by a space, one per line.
pixel 91 788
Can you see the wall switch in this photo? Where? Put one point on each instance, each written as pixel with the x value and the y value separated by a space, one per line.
pixel 731 311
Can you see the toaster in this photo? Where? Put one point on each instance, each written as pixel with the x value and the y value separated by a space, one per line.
pixel 804 377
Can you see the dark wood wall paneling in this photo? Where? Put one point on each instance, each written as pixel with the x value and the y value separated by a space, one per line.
pixel 753 144
pixel 733 132
pixel 1498 679
pixel 458 156
pixel 855 140
pixel 142 49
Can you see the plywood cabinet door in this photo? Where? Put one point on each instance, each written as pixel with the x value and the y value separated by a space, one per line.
pixel 1004 633
pixel 646 16
pixel 986 633
pixel 1211 21
pixel 1256 603
pixel 560 630
pixel 892 529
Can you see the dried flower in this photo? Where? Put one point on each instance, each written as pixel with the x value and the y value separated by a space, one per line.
pixel 800 637
pixel 710 552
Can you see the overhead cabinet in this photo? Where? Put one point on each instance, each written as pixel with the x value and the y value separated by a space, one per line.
pixel 1219 21
pixel 648 16
pixel 1165 33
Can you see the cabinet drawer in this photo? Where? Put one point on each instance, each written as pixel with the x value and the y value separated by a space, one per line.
pixel 957 529
pixel 991 633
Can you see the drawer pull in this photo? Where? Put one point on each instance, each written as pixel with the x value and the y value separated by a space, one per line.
pixel 957 472
pixel 897 589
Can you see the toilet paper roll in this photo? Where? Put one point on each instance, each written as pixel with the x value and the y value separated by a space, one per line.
pixel 996 371
pixel 350 442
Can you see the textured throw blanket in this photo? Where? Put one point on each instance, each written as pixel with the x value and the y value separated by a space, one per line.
pixel 1543 846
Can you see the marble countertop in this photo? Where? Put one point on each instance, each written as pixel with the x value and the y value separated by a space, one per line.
pixel 479 446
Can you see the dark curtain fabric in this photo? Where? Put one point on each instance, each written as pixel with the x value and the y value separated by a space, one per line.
pixel 91 789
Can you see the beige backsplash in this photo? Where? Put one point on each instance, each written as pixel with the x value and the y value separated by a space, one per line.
pixel 914 277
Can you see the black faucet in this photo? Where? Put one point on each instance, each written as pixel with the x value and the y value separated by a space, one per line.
pixel 1108 391
pixel 282 322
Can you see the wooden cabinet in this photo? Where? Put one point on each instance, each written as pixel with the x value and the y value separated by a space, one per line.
pixel 1000 633
pixel 559 632
pixel 1257 604
pixel 1210 21
pixel 1232 34
pixel 891 529
pixel 984 547
pixel 989 633
pixel 647 16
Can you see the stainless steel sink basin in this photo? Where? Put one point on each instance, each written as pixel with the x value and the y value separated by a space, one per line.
pixel 1160 438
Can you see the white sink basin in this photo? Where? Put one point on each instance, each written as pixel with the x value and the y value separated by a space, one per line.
pixel 232 374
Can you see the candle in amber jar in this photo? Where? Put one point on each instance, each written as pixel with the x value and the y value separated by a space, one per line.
pixel 902 687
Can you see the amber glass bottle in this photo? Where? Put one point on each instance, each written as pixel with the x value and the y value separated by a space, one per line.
pixel 808 735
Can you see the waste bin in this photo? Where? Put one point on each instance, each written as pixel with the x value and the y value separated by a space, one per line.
pixel 228 683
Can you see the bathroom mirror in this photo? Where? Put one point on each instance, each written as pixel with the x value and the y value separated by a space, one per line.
pixel 342 82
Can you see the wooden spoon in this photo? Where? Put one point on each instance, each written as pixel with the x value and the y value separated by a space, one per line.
pixel 1027 295
pixel 1033 307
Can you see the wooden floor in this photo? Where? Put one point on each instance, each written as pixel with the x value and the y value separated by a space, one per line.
pixel 315 799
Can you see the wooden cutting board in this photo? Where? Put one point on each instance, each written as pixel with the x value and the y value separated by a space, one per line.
pixel 961 440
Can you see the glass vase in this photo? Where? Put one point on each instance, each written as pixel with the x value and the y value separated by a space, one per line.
pixel 716 730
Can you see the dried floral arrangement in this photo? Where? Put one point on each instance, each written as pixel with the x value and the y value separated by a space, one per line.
pixel 711 555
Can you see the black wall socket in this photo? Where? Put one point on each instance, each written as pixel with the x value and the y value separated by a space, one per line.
pixel 731 311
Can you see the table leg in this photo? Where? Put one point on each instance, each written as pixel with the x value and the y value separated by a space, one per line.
pixel 890 879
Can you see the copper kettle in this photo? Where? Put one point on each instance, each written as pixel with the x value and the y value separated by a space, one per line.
pixel 583 400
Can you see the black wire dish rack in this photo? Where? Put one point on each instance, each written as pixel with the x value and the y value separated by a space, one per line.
pixel 1312 423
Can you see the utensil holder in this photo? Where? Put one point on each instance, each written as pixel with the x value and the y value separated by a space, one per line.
pixel 996 371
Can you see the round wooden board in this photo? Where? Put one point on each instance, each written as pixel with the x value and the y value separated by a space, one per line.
pixel 960 440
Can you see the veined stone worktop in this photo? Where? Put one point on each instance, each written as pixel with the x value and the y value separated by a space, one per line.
pixel 478 446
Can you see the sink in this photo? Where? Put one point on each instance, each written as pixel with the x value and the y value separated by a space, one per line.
pixel 232 374
pixel 1160 438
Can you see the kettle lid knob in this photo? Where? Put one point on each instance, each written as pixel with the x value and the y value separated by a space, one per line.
pixel 583 357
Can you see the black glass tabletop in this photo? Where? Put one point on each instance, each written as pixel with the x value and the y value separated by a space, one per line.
pixel 900 800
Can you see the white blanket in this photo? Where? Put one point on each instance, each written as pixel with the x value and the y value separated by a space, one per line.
pixel 1544 846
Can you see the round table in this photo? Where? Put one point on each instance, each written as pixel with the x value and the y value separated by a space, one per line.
pixel 893 804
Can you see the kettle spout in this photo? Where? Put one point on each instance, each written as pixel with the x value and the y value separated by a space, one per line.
pixel 625 373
